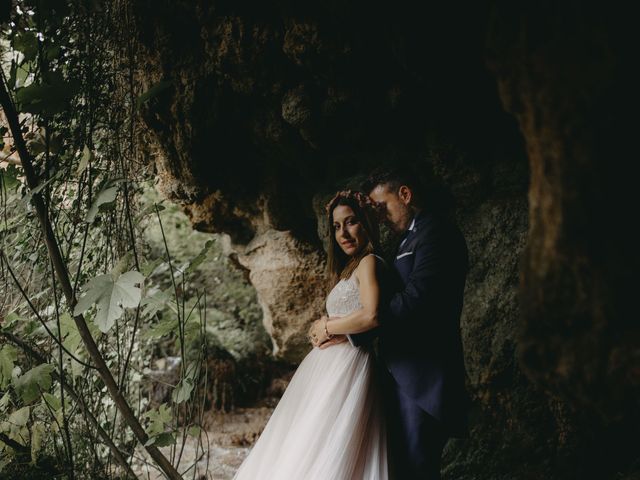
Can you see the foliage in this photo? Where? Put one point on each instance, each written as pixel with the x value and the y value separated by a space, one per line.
pixel 111 294
pixel 159 419
pixel 8 355
pixel 232 314
pixel 30 384
pixel 148 286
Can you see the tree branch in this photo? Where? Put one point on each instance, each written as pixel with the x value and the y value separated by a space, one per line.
pixel 13 444
pixel 65 284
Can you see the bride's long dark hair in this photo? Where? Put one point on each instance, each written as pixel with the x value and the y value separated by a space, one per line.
pixel 339 264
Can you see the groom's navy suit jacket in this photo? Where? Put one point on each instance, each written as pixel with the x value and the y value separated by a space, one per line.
pixel 420 325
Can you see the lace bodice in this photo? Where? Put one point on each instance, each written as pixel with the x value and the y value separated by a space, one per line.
pixel 344 298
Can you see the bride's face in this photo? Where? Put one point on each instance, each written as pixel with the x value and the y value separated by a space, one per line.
pixel 348 230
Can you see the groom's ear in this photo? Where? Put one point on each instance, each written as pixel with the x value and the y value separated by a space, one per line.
pixel 405 194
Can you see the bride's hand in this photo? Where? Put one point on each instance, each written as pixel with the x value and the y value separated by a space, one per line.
pixel 333 341
pixel 316 332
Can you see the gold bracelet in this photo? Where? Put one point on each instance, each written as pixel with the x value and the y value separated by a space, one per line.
pixel 326 332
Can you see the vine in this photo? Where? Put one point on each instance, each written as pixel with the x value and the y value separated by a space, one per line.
pixel 79 291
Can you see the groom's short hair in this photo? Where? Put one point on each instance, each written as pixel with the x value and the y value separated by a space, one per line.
pixel 428 191
pixel 393 178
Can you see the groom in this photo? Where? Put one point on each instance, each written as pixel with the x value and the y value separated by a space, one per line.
pixel 420 327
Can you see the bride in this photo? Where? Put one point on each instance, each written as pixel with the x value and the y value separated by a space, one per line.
pixel 329 423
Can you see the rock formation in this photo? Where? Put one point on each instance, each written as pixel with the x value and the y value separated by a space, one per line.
pixel 268 107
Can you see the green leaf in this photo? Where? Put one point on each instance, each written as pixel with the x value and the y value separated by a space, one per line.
pixel 183 390
pixel 202 255
pixel 22 73
pixel 158 420
pixel 51 400
pixel 94 289
pixel 165 326
pixel 47 98
pixel 19 418
pixel 164 440
pixel 5 401
pixel 182 393
pixel 149 267
pixel 35 380
pixel 84 160
pixel 71 338
pixel 194 431
pixel 52 52
pixel 154 303
pixel 11 319
pixel 154 91
pixel 16 426
pixel 110 297
pixel 38 434
pixel 8 355
pixel 27 44
pixel 105 196
pixel 41 331
pixel 72 341
pixel 24 201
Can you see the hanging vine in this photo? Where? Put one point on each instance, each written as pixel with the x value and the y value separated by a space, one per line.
pixel 79 290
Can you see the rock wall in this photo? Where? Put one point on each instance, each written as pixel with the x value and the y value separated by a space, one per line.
pixel 564 71
pixel 266 108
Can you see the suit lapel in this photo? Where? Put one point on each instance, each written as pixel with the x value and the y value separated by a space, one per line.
pixel 420 222
pixel 403 247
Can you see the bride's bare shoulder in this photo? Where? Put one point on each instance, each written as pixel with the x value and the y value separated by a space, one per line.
pixel 368 265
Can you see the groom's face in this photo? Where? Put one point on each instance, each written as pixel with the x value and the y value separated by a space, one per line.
pixel 396 204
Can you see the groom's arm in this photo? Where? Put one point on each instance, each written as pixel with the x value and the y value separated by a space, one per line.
pixel 364 338
pixel 435 268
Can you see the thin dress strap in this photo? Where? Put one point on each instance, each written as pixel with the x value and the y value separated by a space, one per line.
pixel 378 257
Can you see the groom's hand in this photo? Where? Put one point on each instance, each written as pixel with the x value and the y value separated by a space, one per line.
pixel 333 341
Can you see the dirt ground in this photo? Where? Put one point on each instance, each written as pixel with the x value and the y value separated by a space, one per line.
pixel 228 436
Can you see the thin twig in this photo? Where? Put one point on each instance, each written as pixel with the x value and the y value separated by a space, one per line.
pixel 63 276
pixel 5 260
pixel 32 352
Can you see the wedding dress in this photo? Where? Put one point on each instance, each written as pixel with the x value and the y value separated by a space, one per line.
pixel 328 424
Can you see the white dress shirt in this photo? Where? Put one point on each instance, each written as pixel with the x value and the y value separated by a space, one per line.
pixel 410 229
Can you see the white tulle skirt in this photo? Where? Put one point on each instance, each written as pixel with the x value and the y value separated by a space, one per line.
pixel 328 424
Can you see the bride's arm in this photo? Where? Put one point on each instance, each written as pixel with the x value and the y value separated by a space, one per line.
pixel 363 319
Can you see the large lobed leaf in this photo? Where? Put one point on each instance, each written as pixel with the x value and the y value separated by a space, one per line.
pixel 158 420
pixel 36 380
pixel 110 296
